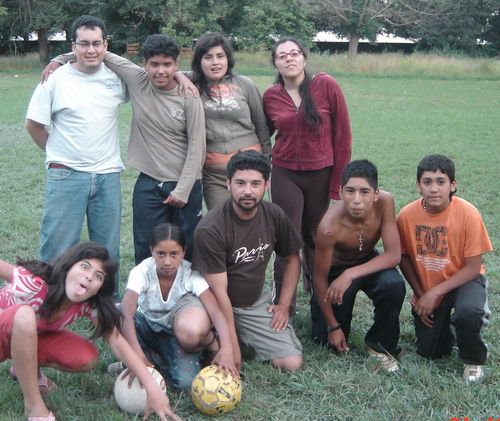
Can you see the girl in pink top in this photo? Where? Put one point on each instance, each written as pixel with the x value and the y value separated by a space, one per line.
pixel 37 305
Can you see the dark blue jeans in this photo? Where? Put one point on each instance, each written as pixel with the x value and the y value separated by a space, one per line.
pixel 386 289
pixel 173 363
pixel 149 211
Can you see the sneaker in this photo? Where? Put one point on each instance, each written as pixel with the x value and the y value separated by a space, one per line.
pixel 115 368
pixel 473 373
pixel 389 363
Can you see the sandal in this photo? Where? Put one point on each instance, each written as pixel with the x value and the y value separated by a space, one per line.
pixel 50 417
pixel 44 383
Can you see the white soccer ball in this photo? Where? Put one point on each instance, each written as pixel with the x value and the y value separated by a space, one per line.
pixel 133 400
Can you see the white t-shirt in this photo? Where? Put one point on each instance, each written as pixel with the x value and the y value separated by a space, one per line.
pixel 83 111
pixel 143 280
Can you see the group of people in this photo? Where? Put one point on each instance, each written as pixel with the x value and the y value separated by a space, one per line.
pixel 198 285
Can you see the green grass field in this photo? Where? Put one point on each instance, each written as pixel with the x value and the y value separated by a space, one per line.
pixel 398 116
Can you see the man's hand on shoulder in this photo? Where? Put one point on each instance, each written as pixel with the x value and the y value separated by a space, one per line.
pixel 336 290
pixel 337 340
pixel 280 316
pixel 49 69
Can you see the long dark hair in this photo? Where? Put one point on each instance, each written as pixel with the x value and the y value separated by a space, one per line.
pixel 55 273
pixel 311 115
pixel 205 43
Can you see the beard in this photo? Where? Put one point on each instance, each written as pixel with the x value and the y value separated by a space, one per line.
pixel 247 207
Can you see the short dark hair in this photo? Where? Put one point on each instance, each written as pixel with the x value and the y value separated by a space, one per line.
pixel 88 21
pixel 205 43
pixel 249 160
pixel 361 168
pixel 436 162
pixel 160 44
pixel 167 231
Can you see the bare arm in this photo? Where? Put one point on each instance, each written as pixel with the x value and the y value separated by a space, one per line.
pixel 218 285
pixel 128 308
pixel 410 274
pixel 157 400
pixel 322 261
pixel 225 356
pixel 290 279
pixel 38 132
pixel 6 270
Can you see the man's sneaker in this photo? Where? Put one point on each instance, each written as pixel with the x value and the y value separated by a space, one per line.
pixel 389 363
pixel 473 373
pixel 115 368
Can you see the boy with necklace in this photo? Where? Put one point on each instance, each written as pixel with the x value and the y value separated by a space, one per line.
pixel 443 239
pixel 346 261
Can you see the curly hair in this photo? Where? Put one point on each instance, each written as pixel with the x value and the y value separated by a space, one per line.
pixel 159 44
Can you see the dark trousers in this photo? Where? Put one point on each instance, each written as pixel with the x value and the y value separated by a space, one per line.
pixel 470 316
pixel 303 195
pixel 386 289
pixel 149 211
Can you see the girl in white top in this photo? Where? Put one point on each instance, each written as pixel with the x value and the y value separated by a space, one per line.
pixel 169 310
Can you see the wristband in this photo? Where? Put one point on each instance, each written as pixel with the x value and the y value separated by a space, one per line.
pixel 332 329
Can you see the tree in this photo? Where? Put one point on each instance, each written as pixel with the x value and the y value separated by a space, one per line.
pixel 129 21
pixel 356 19
pixel 43 17
pixel 472 22
pixel 262 22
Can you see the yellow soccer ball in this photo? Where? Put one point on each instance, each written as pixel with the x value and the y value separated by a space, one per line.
pixel 213 394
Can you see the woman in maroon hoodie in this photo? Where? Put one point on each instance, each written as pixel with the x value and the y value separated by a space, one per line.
pixel 312 146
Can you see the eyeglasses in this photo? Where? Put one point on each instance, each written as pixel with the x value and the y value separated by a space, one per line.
pixel 292 54
pixel 86 44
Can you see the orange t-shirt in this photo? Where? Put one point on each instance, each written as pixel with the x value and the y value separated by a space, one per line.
pixel 438 244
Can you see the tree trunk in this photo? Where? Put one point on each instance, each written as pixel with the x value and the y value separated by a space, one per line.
pixel 43 47
pixel 353 49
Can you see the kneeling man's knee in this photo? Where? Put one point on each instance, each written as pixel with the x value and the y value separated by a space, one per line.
pixel 292 363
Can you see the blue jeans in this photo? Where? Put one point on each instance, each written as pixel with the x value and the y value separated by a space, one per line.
pixel 70 196
pixel 149 211
pixel 175 364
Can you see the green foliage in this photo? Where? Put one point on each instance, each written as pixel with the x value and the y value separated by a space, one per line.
pixel 189 19
pixel 130 21
pixel 472 21
pixel 263 22
pixel 357 17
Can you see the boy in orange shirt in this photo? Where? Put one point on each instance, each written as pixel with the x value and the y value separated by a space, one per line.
pixel 442 241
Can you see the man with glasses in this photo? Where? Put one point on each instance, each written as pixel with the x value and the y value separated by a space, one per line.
pixel 80 103
pixel 166 144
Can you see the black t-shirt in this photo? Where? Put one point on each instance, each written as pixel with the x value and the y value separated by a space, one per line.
pixel 225 243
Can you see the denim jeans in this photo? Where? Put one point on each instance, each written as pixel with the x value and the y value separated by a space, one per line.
pixel 173 363
pixel 149 211
pixel 70 196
